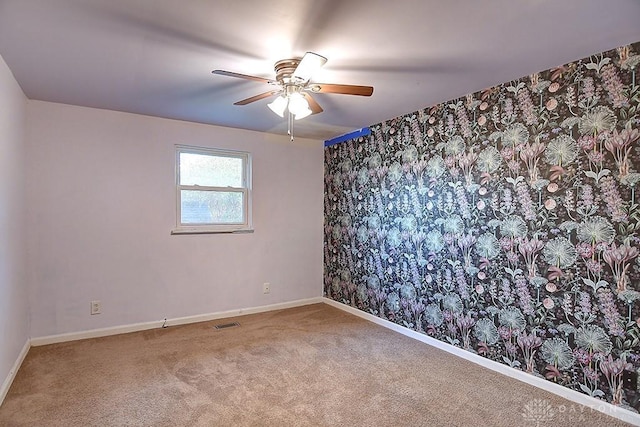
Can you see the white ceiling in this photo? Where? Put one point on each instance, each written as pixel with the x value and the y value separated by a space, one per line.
pixel 155 57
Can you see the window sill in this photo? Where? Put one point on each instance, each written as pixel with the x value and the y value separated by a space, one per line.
pixel 188 231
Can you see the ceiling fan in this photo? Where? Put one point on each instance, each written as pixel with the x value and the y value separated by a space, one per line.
pixel 293 85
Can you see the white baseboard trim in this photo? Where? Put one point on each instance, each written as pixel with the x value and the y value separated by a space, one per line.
pixel 14 370
pixel 572 395
pixel 123 329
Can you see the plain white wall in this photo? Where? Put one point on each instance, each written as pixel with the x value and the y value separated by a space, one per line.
pixel 101 200
pixel 14 309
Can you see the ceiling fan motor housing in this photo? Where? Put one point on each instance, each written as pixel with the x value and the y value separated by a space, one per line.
pixel 284 71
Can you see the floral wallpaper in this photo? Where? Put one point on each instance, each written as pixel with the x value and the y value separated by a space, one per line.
pixel 505 222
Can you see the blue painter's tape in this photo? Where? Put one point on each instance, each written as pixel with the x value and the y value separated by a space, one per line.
pixel 348 136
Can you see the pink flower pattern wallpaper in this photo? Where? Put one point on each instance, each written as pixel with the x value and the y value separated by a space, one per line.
pixel 505 222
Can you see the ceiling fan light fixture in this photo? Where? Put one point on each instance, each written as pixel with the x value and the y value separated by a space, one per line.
pixel 278 105
pixel 302 114
pixel 297 104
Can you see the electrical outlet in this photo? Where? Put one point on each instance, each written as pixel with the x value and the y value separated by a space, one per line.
pixel 96 307
pixel 266 288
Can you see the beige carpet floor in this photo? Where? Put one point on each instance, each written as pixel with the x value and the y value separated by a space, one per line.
pixel 307 366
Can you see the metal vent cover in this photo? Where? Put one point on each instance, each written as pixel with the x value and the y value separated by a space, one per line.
pixel 227 325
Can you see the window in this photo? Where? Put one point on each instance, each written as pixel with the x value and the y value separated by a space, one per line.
pixel 213 189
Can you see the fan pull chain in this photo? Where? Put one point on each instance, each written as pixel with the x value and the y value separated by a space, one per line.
pixel 290 126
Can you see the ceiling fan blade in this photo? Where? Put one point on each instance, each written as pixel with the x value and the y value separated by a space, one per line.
pixel 310 63
pixel 342 89
pixel 243 76
pixel 313 105
pixel 256 98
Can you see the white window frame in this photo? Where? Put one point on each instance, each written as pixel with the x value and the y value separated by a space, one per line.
pixel 190 228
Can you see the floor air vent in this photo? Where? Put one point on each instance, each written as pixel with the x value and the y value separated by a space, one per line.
pixel 227 325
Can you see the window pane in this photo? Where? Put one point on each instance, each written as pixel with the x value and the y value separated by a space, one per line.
pixel 211 207
pixel 211 171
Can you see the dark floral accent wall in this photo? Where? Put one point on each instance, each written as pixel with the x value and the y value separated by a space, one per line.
pixel 505 223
